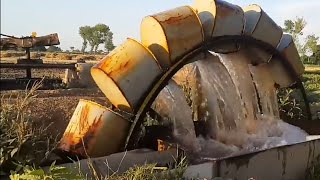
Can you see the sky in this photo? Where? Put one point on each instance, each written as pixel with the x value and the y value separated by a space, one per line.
pixel 22 17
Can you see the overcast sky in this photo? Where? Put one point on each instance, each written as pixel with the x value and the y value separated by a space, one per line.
pixel 21 17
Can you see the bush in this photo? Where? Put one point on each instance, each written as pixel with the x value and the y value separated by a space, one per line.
pixel 289 104
pixel 312 81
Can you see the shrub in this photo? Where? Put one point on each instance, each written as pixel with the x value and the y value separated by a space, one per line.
pixel 289 106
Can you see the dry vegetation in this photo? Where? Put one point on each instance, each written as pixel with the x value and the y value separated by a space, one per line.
pixel 30 138
pixel 56 56
pixel 312 69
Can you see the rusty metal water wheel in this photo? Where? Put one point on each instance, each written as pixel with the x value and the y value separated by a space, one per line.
pixel 214 43
pixel 134 73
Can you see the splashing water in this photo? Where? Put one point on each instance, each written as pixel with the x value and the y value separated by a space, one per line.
pixel 171 103
pixel 236 100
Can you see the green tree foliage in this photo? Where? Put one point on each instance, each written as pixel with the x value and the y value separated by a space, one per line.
pixel 295 28
pixel 85 32
pixel 109 46
pixel 94 36
pixel 311 43
pixel 315 57
pixel 309 46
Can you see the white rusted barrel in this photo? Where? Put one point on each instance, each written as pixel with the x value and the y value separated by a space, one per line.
pixel 83 72
pixel 71 78
pixel 171 33
pixel 261 27
pixel 94 131
pixel 289 51
pixel 219 18
pixel 126 74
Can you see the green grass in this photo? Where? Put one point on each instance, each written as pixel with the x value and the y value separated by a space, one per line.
pixel 145 172
pixel 311 81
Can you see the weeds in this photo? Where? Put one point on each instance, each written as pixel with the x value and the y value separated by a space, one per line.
pixel 144 172
pixel 289 107
pixel 54 172
pixel 21 141
pixel 312 82
pixel 291 103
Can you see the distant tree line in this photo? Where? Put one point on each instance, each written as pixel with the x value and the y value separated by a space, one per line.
pixel 95 36
pixel 49 49
pixel 309 47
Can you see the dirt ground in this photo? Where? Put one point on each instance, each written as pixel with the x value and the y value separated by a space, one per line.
pixel 55 107
pixel 36 73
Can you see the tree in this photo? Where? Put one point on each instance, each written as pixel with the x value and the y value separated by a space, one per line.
pixel 295 28
pixel 315 57
pixel 85 33
pixel 96 35
pixel 72 48
pixel 109 46
pixel 309 46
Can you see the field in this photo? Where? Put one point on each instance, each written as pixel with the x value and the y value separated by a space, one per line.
pixel 311 80
pixel 60 101
pixel 54 58
pixel 49 56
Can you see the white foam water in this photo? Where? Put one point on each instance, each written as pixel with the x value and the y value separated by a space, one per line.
pixel 236 101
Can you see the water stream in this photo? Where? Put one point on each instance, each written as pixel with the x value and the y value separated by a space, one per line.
pixel 237 102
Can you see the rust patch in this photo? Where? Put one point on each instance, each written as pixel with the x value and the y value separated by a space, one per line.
pixel 176 19
pixel 88 138
pixel 81 135
pixel 120 68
